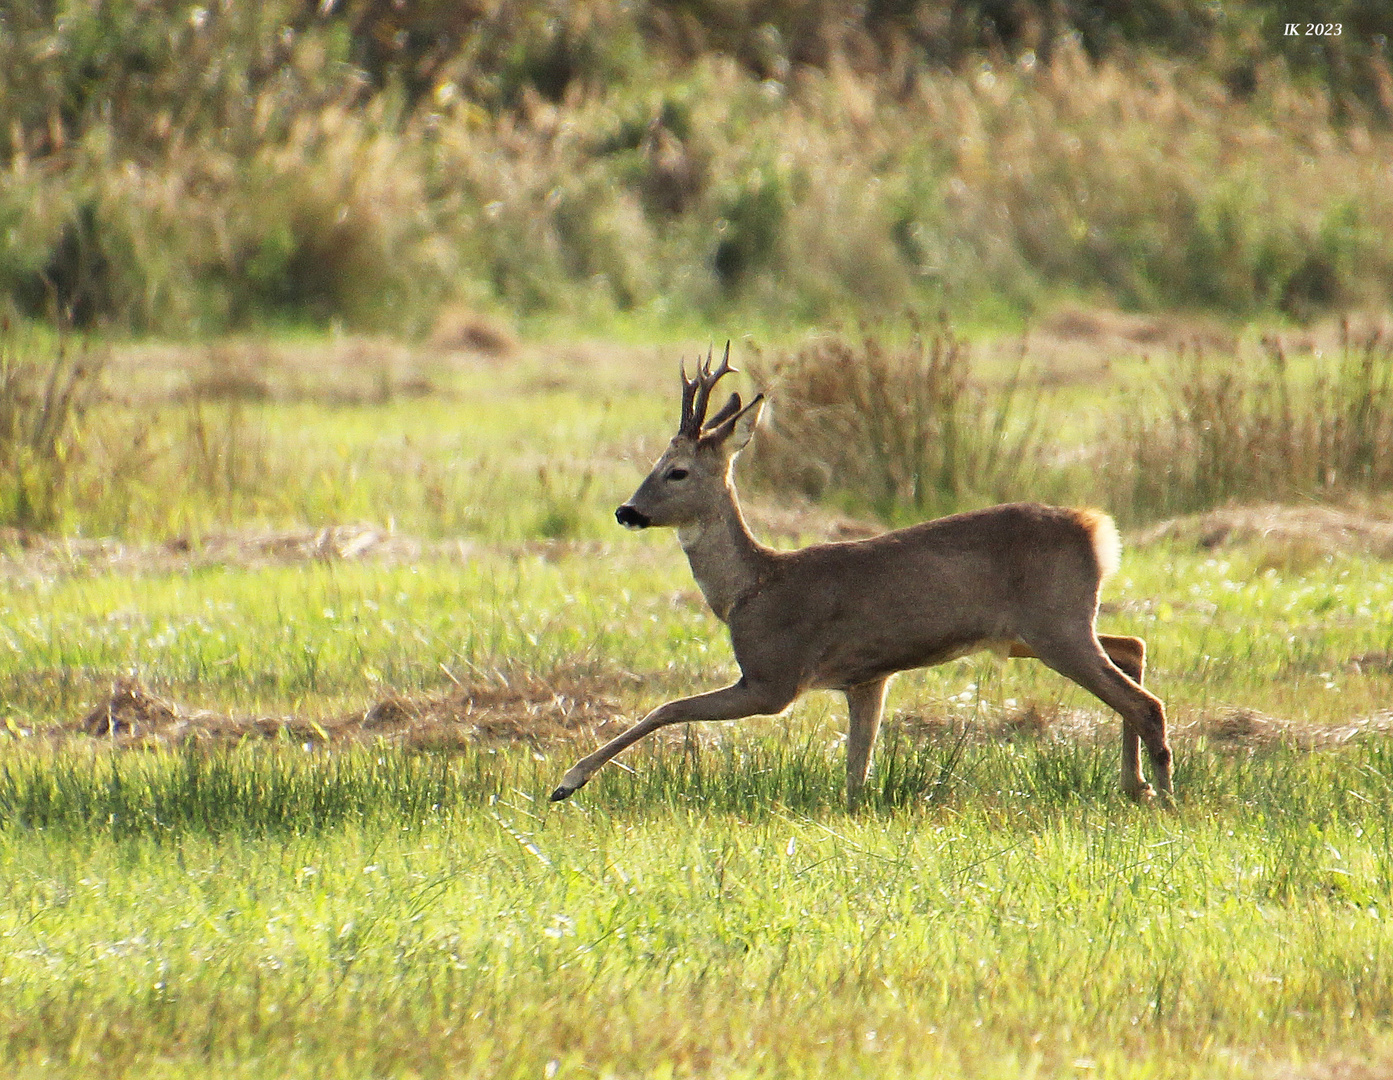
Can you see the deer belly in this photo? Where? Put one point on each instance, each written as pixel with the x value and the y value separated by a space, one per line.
pixel 1001 646
pixel 860 666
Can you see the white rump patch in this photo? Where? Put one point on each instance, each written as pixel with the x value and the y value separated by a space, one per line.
pixel 1107 545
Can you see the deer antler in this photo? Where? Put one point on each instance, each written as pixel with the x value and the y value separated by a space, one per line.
pixel 696 393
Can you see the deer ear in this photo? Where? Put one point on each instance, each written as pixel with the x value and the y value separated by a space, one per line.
pixel 729 409
pixel 735 430
pixel 743 424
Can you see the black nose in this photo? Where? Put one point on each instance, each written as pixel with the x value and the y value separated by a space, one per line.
pixel 630 518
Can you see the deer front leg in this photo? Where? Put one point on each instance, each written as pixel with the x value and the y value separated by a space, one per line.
pixel 865 704
pixel 732 703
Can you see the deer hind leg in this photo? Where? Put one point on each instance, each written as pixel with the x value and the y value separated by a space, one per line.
pixel 1129 654
pixel 865 704
pixel 1086 661
pixel 731 703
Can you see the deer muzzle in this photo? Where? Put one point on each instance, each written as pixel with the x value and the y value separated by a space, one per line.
pixel 631 517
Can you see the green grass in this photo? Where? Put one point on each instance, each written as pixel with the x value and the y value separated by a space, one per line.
pixel 266 911
pixel 1000 910
pixel 464 462
pixel 318 638
pixel 279 908
pixel 324 638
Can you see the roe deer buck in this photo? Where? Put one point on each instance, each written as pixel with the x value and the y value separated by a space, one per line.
pixel 1021 579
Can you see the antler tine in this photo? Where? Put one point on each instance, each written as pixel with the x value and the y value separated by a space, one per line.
pixel 689 389
pixel 701 388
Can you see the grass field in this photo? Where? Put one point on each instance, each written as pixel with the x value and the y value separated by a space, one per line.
pixel 332 854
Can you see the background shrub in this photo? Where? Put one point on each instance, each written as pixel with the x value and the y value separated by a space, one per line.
pixel 191 169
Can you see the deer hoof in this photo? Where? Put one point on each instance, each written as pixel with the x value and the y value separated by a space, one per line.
pixel 570 784
pixel 1142 796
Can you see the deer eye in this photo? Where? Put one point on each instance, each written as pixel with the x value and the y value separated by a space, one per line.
pixel 676 474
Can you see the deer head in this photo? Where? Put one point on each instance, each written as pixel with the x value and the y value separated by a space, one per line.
pixel 691 481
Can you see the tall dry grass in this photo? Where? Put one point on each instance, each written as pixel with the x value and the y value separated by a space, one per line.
pixel 829 196
pixel 45 396
pixel 1236 432
pixel 909 431
pixel 903 431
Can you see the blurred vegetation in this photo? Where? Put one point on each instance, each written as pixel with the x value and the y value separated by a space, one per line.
pixel 178 443
pixel 875 425
pixel 185 168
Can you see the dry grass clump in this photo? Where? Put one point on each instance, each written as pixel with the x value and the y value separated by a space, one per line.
pixel 1286 534
pixel 500 707
pixel 459 328
pixel 130 709
pixel 1243 727
pixel 904 431
pixel 1229 726
pixel 909 431
pixel 580 705
pixel 45 395
pixel 514 707
pixel 1379 660
pixel 1032 722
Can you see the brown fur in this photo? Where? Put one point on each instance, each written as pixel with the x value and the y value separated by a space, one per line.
pixel 1021 579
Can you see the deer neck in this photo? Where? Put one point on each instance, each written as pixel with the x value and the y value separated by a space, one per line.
pixel 726 560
